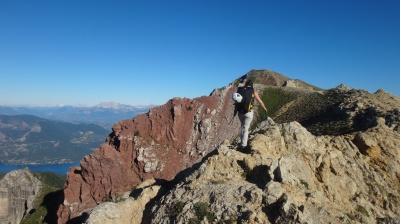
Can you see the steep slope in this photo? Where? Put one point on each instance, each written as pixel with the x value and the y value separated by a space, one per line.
pixel 341 110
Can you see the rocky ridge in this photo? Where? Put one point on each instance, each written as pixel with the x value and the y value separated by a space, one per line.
pixel 287 176
pixel 289 163
pixel 292 176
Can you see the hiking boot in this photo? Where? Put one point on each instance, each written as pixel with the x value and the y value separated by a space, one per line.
pixel 244 149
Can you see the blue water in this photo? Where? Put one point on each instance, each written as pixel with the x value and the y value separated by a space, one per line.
pixel 55 168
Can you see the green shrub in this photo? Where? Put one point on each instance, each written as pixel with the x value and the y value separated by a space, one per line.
pixel 362 210
pixel 202 210
pixel 194 221
pixel 305 184
pixel 218 182
pixel 177 208
pixel 136 133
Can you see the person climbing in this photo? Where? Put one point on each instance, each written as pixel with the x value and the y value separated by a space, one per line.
pixel 244 99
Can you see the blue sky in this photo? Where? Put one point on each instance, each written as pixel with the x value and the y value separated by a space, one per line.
pixel 146 52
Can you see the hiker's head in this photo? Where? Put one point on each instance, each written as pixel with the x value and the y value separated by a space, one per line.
pixel 249 83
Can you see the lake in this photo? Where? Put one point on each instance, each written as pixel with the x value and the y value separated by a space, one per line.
pixel 55 168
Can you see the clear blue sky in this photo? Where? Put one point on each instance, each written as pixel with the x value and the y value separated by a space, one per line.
pixel 83 52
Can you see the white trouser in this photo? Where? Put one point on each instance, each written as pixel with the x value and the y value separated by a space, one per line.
pixel 245 121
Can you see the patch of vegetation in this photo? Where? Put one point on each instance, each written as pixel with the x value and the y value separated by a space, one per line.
pixel 274 99
pixel 189 108
pixel 194 221
pixel 387 220
pixel 218 181
pixel 136 133
pixel 201 210
pixel 176 209
pixel 362 210
pixel 229 221
pixel 119 199
pixel 283 131
pixel 305 184
pixel 50 178
pixel 318 113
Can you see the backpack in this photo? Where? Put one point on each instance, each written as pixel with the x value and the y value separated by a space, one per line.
pixel 247 94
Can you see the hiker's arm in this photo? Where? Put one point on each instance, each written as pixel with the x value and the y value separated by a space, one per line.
pixel 260 101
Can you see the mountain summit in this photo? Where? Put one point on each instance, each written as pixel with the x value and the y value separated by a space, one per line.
pixel 327 156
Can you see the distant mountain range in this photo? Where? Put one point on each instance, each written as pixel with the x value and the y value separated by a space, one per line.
pixel 103 114
pixel 46 135
pixel 27 139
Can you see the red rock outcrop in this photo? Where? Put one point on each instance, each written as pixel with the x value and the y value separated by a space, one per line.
pixel 158 144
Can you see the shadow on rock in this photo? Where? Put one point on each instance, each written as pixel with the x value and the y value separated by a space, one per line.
pixel 166 186
pixel 258 175
pixel 52 202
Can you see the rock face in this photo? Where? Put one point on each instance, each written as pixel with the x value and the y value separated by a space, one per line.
pixel 159 144
pixel 129 209
pixel 292 176
pixel 18 190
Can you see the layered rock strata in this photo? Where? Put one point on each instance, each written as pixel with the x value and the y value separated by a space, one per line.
pixel 18 190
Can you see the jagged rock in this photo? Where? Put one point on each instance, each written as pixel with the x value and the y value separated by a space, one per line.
pixel 307 179
pixel 290 83
pixel 343 87
pixel 158 144
pixel 18 190
pixel 128 210
pixel 367 145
